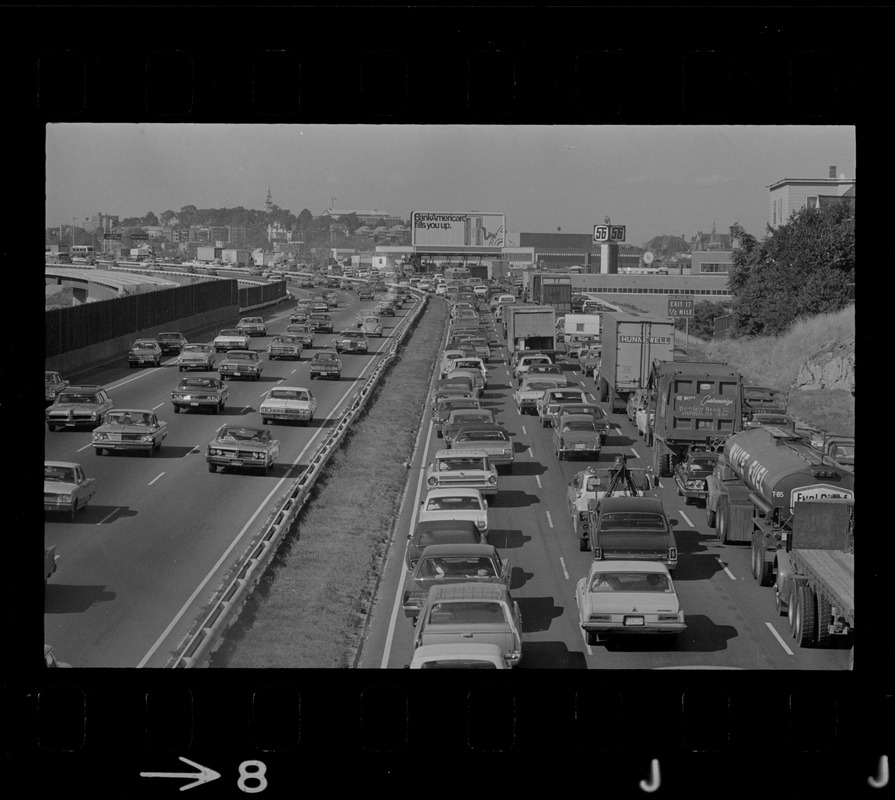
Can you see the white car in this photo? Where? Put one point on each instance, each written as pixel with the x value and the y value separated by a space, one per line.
pixel 531 390
pixel 467 362
pixel 480 291
pixel 447 359
pixel 458 503
pixel 289 403
pixel 526 361
pixel 232 339
pixel 440 291
pixel 458 656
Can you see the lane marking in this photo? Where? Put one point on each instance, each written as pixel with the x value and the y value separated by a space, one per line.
pixel 81 449
pixel 549 519
pixel 108 517
pixel 155 479
pixel 592 397
pixel 724 567
pixel 158 406
pixel 538 479
pixel 636 454
pixel 524 432
pixel 778 638
pixel 686 518
pixel 564 570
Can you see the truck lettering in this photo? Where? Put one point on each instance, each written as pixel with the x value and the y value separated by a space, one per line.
pixel 627 339
pixel 820 491
pixel 704 405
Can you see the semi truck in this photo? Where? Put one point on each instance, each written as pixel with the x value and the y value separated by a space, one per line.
pixel 552 290
pixel 631 344
pixel 815 584
pixel 530 327
pixel 690 405
pixel 762 477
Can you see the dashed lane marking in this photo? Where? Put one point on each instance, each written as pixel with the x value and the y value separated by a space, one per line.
pixel 779 638
pixel 688 519
pixel 724 567
pixel 549 519
pixel 564 570
pixel 155 478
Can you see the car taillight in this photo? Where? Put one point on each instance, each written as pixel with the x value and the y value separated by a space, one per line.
pixel 598 553
pixel 672 554
pixel 668 617
pixel 481 524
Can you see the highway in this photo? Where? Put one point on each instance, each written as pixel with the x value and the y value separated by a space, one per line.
pixel 161 533
pixel 732 621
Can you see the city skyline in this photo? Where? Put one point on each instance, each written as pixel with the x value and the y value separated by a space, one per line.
pixel 656 180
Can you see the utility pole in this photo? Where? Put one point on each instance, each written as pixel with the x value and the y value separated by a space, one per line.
pixel 73 231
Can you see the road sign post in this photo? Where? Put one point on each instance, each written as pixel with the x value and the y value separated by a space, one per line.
pixel 682 307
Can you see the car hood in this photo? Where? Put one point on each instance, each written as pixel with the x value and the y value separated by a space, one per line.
pixel 73 407
pixel 193 356
pixel 59 487
pixel 116 428
pixel 632 602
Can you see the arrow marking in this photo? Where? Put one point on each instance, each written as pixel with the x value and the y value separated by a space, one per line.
pixel 204 775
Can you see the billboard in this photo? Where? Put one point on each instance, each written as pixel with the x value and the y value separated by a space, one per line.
pixel 446 232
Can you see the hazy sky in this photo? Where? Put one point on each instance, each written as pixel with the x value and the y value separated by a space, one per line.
pixel 654 179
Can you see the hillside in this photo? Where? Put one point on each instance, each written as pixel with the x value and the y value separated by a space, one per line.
pixel 814 362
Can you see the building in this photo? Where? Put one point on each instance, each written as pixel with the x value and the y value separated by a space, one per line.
pixel 789 195
pixel 371 217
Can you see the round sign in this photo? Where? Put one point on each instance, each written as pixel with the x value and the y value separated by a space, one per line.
pixel 648 258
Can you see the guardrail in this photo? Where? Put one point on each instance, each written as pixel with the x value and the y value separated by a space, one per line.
pixel 231 596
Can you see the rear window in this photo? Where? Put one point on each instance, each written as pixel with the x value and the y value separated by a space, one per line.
pixel 453 504
pixel 446 464
pixel 471 613
pixel 632 519
pixel 483 436
pixel 456 567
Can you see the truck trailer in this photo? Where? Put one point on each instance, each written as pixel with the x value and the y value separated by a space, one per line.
pixel 690 405
pixel 631 344
pixel 761 478
pixel 530 327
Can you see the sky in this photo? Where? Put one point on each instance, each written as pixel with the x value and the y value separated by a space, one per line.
pixel 654 179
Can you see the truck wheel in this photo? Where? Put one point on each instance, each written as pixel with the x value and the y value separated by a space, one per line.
pixel 591 637
pixel 51 428
pixel 665 465
pixel 803 622
pixel 824 614
pixel 722 521
pixel 709 516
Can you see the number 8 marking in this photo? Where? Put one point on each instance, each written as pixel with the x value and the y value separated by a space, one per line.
pixel 256 773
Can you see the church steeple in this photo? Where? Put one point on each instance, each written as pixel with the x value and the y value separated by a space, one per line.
pixel 268 203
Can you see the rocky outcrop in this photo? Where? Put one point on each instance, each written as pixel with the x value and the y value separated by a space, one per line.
pixel 831 368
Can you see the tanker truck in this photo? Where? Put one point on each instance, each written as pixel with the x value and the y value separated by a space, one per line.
pixel 761 478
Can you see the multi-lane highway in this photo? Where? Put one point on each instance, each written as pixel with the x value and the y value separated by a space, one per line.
pixel 732 621
pixel 162 532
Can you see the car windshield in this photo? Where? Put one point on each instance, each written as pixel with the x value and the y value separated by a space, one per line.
pixel 483 436
pixel 285 339
pixel 128 418
pixel 565 397
pixel 447 464
pixel 237 356
pixel 702 465
pixel 288 394
pixel 244 435
pixel 199 383
pixel 251 321
pixel 325 357
pixel 143 345
pixel 453 504
pixel 456 567
pixel 352 335
pixel 579 425
pixel 629 582
pixel 231 332
pixel 537 386
pixel 194 348
pixel 467 613
pixel 464 419
pixel 51 377
pixel 166 336
pixel 616 520
pixel 67 397
pixel 57 473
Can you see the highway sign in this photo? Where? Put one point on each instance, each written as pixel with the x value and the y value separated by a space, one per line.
pixel 680 306
pixel 609 233
pixel 111 236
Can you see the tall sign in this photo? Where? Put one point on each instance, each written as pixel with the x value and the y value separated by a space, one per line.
pixel 458 232
pixel 609 233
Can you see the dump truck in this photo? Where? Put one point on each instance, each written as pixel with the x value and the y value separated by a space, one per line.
pixel 631 344
pixel 761 478
pixel 691 405
pixel 815 584
pixel 530 327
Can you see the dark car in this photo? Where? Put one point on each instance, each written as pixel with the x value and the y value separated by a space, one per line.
pixel 630 529
pixel 171 342
pixel 449 531
pixel 691 476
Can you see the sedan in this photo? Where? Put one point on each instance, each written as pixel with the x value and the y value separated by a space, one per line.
pixel 253 326
pixel 237 446
pixel 144 352
pixel 196 356
pixel 171 342
pixel 442 505
pixel 53 384
pixel 242 364
pixel 232 339
pixel 66 487
pixel 130 429
pixel 200 393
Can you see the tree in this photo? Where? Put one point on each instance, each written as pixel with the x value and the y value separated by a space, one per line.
pixel 702 323
pixel 304 219
pixel 800 268
pixel 167 216
pixel 150 219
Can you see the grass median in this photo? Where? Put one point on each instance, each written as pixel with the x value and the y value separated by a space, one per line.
pixel 310 607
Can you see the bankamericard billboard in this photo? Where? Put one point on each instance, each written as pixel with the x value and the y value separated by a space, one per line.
pixel 456 232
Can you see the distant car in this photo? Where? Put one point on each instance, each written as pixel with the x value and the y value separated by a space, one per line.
pixel 365 293
pixel 345 285
pixel 763 399
pixel 320 322
pixel 238 446
pixel 531 390
pixel 764 419
pixel 447 359
pixel 53 384
pixel 372 326
pixel 461 417
pixel 326 364
pixel 443 564
pixel 253 326
pixel 78 407
pixel 196 356
pixel 468 468
pixel 285 346
pixel 590 359
pixel 691 476
pixel 632 528
pixel 232 339
pixel 525 362
pixel 442 411
pixel 304 333
pixel 548 403
pixel 592 484
pixel 601 423
pixel 241 364
pixel 300 314
pixel 66 487
pixel 492 438
pixel 456 503
pixel 351 341
pixel 628 598
pixel 171 342
pixel 575 435
pixel 471 363
pixel 477 613
pixel 144 352
pixel 200 393
pixel 130 429
pixel 548 371
pixel 288 404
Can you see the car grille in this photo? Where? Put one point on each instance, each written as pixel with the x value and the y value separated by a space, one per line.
pixel 74 415
pixel 248 455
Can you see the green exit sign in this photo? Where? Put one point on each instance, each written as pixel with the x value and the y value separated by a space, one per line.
pixel 680 306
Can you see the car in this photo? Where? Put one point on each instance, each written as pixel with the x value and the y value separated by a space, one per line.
pixel 637 400
pixel 232 339
pixel 239 446
pixel 628 598
pixel 196 356
pixel 385 309
pixel 468 468
pixel 455 504
pixel 524 362
pixel 601 422
pixel 631 528
pixel 320 322
pixel 476 363
pixel 365 293
pixel 466 348
pixel 763 399
pixel 351 341
pixel 285 345
pixel 253 326
pixel 548 371
pixel 474 375
pixel 372 326
pixel 53 384
pixel 443 564
pixel 590 360
pixel 320 307
pixel 482 347
pixel 471 613
pixel 458 656
pixel 300 314
pixel 575 435
pixel 303 332
pixel 288 404
pixel 447 358
pixel 593 483
pixel 548 403
pixel 241 364
pixel 78 407
pixel 461 417
pixel 130 429
pixel 345 285
pixel 66 487
pixel 144 352
pixel 200 393
pixel 452 392
pixel 490 437
pixel 326 364
pixel 576 344
pixel 171 341
pixel 764 419
pixel 442 411
pixel 440 290
pixel 691 476
pixel 530 391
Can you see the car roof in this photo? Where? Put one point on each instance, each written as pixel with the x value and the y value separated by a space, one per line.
pixel 483 426
pixel 577 418
pixel 458 550
pixel 468 452
pixel 468 591
pixel 458 490
pixel 86 388
pixel 71 464
pixel 292 388
pixel 632 504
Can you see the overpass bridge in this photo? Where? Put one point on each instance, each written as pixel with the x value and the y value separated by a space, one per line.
pixel 101 284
